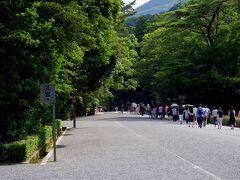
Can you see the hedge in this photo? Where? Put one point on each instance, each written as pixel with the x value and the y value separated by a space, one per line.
pixel 226 121
pixel 21 150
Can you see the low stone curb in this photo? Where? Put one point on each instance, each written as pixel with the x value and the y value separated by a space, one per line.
pixel 50 152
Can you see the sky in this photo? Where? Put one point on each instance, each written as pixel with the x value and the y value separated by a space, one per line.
pixel 138 2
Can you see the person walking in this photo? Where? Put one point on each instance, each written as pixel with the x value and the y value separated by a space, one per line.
pixel 231 114
pixel 174 113
pixel 157 111
pixel 239 114
pixel 220 117
pixel 148 110
pixel 185 114
pixel 137 109
pixel 214 115
pixel 180 114
pixel 206 115
pixel 195 114
pixel 142 109
pixel 128 107
pixel 166 110
pixel 161 114
pixel 200 114
pixel 122 108
pixel 190 116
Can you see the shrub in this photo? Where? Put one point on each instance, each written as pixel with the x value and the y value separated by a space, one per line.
pixel 21 150
pixel 58 126
pixel 13 152
pixel 226 121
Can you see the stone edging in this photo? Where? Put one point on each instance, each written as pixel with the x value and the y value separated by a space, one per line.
pixel 50 152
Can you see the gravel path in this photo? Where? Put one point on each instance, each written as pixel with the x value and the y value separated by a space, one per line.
pixel 126 146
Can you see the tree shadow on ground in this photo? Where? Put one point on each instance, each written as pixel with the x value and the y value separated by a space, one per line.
pixel 76 128
pixel 135 119
pixel 60 146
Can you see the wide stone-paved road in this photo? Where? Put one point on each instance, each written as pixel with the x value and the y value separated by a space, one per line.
pixel 131 147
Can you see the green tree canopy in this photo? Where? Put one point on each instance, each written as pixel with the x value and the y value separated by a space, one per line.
pixel 68 43
pixel 193 51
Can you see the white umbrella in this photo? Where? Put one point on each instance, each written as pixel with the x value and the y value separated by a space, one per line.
pixel 174 105
pixel 134 104
pixel 189 105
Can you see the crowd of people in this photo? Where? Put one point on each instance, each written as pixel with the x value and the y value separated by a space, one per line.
pixel 199 115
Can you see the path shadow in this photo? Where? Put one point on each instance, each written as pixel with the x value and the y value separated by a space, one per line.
pixel 134 119
pixel 60 146
pixel 71 129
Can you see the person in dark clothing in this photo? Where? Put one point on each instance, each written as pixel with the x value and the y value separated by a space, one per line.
pixel 174 113
pixel 122 108
pixel 199 115
pixel 220 117
pixel 185 114
pixel 142 109
pixel 231 114
pixel 180 114
pixel 190 116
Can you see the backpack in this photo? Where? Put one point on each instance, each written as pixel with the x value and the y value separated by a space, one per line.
pixel 200 112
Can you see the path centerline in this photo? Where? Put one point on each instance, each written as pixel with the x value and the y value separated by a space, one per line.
pixel 194 166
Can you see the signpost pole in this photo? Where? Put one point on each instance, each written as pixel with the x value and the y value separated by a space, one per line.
pixel 74 102
pixel 54 133
pixel 47 96
pixel 74 115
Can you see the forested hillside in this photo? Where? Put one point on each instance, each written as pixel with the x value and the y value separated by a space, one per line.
pixel 155 6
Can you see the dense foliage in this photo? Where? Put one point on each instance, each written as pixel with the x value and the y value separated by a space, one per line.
pixel 83 48
pixel 72 44
pixel 194 52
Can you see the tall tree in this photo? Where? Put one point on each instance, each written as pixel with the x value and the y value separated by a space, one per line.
pixel 68 43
